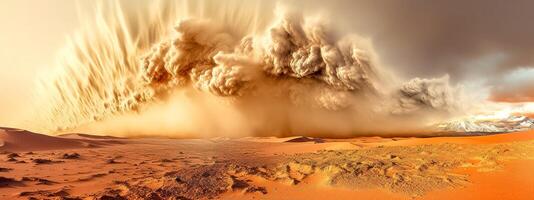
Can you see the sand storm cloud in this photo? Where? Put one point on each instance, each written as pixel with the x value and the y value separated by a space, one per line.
pixel 194 74
pixel 212 60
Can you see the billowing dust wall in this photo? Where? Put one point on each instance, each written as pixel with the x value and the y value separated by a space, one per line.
pixel 232 68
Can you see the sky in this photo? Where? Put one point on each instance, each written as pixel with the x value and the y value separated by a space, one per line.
pixel 31 34
pixel 487 43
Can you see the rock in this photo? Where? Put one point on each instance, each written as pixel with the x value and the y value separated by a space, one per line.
pixel 71 156
pixel 42 161
pixel 263 190
pixel 40 181
pixel 13 155
pixel 111 161
pixel 2 169
pixel 4 181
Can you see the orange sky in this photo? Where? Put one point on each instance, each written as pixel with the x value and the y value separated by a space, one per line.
pixel 514 96
pixel 31 33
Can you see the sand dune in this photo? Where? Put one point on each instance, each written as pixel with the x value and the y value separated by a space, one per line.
pixel 87 136
pixel 21 140
pixel 305 139
pixel 266 168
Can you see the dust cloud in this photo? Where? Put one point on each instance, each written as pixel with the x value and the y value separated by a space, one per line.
pixel 208 69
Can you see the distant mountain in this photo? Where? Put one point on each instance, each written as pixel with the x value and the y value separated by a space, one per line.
pixel 479 124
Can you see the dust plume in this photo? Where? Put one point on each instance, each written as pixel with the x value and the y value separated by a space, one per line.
pixel 197 69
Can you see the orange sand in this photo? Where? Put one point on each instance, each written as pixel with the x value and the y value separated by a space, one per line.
pixel 139 159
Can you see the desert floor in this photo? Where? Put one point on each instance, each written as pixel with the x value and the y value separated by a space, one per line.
pixel 78 166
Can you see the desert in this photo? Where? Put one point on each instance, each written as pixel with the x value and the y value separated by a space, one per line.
pixel 84 167
pixel 266 99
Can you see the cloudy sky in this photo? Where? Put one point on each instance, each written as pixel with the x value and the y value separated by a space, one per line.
pixel 487 43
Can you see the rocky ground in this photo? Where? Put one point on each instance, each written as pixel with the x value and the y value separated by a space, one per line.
pixel 258 168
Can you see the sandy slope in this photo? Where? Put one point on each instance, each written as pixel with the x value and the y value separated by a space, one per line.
pixel 487 167
pixel 22 140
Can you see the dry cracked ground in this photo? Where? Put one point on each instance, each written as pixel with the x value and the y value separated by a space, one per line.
pixel 250 168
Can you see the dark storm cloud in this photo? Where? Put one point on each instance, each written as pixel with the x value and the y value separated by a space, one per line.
pixel 429 38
